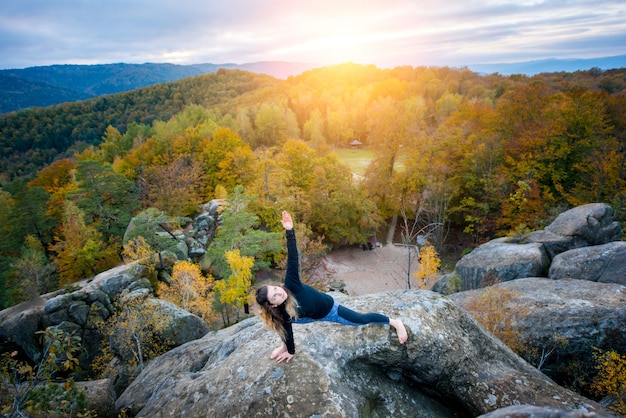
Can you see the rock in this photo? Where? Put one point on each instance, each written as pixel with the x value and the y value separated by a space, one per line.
pixel 447 284
pixel 555 244
pixel 58 303
pixel 582 226
pixel 504 260
pixel 181 326
pixel 344 371
pixel 99 397
pixel 601 263
pixel 594 222
pixel 204 226
pixel 19 323
pixel 113 286
pixel 585 314
pixel 530 411
pixel 196 248
pixel 78 312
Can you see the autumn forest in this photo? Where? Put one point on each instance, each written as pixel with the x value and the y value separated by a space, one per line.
pixel 468 156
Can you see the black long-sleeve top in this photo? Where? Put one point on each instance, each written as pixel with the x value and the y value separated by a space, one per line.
pixel 311 302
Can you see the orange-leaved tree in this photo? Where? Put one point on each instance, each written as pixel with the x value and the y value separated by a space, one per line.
pixel 189 289
pixel 80 251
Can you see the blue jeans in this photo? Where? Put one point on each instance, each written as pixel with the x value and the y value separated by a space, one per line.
pixel 342 315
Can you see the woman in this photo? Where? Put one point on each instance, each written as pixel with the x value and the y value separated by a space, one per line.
pixel 295 302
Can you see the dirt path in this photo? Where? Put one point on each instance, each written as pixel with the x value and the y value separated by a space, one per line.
pixel 365 272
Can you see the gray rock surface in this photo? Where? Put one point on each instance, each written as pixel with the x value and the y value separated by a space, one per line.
pixel 340 370
pixel 100 397
pixel 19 323
pixel 593 222
pixel 84 309
pixel 574 245
pixel 530 411
pixel 503 258
pixel 601 263
pixel 585 314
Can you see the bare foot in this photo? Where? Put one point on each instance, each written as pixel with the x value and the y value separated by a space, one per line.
pixel 400 330
pixel 278 351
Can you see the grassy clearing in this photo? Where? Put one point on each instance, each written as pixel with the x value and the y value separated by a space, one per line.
pixel 356 159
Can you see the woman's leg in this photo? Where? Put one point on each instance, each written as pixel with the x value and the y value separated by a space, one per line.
pixel 355 318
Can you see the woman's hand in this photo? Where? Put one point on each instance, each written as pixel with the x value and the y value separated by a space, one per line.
pixel 278 351
pixel 281 354
pixel 284 356
pixel 287 221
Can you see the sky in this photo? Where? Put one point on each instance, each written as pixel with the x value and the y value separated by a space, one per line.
pixel 386 33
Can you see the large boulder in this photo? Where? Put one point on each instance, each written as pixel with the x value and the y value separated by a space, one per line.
pixel 582 229
pixel 100 397
pixel 19 324
pixel 531 411
pixel 448 366
pixel 501 260
pixel 204 227
pixel 601 263
pixel 594 222
pixel 570 317
pixel 180 326
pixel 582 226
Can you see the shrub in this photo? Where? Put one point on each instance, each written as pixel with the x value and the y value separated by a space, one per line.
pixel 611 378
pixel 39 390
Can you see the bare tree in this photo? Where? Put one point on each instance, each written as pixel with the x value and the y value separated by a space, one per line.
pixel 415 233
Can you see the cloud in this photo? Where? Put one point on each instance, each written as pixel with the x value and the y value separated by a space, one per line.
pixel 42 32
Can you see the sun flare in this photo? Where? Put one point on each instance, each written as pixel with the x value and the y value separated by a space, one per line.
pixel 336 38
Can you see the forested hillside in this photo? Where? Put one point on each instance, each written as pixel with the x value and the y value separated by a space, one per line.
pixel 53 84
pixel 33 138
pixel 454 151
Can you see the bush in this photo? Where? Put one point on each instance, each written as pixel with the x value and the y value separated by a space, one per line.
pixel 39 390
pixel 610 382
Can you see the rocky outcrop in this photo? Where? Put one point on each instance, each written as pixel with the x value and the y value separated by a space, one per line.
pixel 448 367
pixel 530 411
pixel 204 226
pixel 582 314
pixel 502 259
pixel 83 310
pixel 601 263
pixel 591 224
pixel 19 324
pixel 580 243
pixel 91 302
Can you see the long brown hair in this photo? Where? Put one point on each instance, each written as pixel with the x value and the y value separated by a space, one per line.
pixel 270 315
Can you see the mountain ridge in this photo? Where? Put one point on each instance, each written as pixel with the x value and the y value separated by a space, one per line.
pixel 43 86
pixel 551 65
pixel 53 84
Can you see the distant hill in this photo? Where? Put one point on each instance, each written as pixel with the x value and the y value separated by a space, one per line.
pixel 53 84
pixel 550 66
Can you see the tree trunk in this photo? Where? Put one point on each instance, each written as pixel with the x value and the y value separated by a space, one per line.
pixel 392 229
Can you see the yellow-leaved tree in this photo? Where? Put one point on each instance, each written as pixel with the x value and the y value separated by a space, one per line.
pixel 234 290
pixel 428 267
pixel 189 289
pixel 611 378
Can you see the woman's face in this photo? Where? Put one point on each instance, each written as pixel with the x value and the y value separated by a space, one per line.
pixel 276 295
